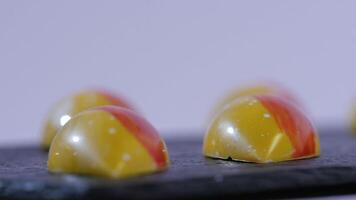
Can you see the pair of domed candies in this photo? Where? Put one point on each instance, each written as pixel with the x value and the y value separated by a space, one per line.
pixel 96 133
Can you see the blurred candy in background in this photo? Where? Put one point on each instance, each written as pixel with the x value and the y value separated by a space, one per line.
pixel 258 89
pixel 66 108
pixel 353 119
pixel 175 60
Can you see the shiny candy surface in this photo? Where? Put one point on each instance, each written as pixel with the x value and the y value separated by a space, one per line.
pixel 65 109
pixel 108 141
pixel 261 129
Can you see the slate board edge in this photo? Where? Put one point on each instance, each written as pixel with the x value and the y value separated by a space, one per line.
pixel 307 182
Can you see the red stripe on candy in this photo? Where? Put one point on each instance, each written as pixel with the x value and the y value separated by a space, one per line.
pixel 142 130
pixel 118 101
pixel 292 121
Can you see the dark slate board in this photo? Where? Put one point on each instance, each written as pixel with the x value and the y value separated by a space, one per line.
pixel 23 175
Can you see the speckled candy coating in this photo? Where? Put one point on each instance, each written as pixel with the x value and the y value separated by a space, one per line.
pixel 108 141
pixel 262 128
pixel 67 107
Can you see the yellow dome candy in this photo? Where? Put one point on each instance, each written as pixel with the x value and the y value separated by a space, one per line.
pixel 262 128
pixel 108 141
pixel 65 109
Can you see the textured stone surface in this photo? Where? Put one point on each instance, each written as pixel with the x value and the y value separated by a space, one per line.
pixel 23 175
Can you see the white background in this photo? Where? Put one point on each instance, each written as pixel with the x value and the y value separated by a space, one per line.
pixel 173 59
